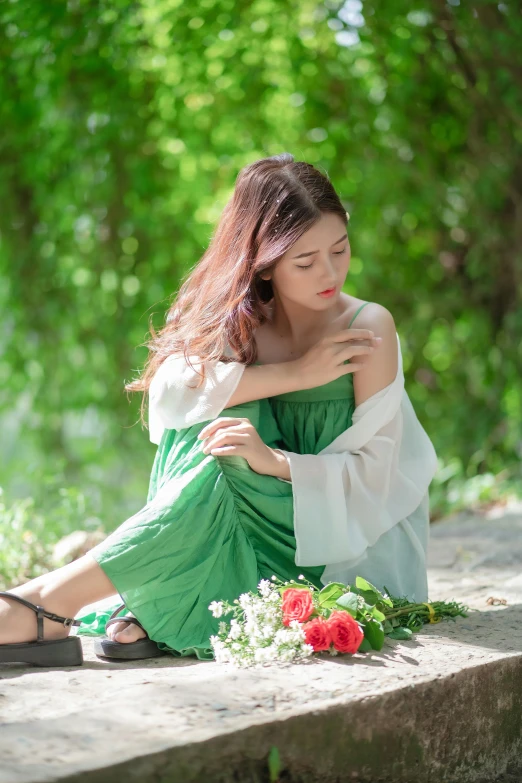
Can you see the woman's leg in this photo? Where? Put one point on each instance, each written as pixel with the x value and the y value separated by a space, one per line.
pixel 64 592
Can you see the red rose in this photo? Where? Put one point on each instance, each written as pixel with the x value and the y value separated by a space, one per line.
pixel 317 634
pixel 345 631
pixel 297 605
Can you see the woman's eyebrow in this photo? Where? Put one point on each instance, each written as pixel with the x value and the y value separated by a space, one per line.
pixel 302 255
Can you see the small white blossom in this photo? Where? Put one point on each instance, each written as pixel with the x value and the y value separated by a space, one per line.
pixel 244 601
pixel 265 588
pixel 223 656
pixel 221 653
pixel 282 637
pixel 223 627
pixel 260 655
pixel 272 614
pixel 235 630
pixel 216 607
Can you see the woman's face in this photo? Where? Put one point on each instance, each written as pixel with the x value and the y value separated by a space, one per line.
pixel 318 260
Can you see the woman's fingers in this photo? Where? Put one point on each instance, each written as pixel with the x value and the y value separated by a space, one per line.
pixel 225 439
pixel 223 421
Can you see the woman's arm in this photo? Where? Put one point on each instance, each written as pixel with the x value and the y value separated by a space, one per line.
pixel 380 367
pixel 265 380
pixel 175 402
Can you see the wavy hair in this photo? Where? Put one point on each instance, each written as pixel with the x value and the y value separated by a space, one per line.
pixel 224 300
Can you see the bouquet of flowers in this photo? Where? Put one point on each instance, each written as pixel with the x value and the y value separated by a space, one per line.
pixel 289 621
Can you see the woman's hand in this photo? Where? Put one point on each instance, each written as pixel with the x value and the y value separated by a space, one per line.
pixel 230 435
pixel 324 361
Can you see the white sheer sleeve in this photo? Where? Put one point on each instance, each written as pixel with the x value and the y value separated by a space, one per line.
pixel 368 479
pixel 175 403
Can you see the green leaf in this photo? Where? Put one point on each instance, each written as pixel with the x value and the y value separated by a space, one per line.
pixel 373 631
pixel 370 598
pixel 365 646
pixel 274 764
pixel 330 593
pixel 377 614
pixel 370 591
pixel 400 633
pixel 349 602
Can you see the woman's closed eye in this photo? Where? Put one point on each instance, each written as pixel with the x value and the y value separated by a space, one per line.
pixel 338 253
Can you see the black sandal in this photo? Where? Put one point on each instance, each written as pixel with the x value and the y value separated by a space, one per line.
pixel 54 652
pixel 142 648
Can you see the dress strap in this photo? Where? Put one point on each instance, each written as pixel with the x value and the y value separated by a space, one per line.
pixel 357 313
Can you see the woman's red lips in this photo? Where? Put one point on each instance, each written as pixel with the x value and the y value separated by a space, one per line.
pixel 327 290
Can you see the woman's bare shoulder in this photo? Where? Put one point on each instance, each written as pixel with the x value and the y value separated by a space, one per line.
pixel 373 316
pixel 380 367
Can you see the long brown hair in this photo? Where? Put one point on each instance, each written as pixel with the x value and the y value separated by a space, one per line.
pixel 223 300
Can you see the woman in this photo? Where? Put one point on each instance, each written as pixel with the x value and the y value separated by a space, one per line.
pixel 286 441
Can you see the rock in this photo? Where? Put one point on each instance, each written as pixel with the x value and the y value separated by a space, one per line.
pixel 445 706
pixel 75 545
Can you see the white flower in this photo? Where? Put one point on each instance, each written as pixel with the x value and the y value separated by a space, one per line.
pixel 265 654
pixel 245 601
pixel 221 653
pixel 223 628
pixel 223 656
pixel 265 588
pixel 307 649
pixel 272 615
pixel 216 607
pixel 237 646
pixel 283 636
pixel 235 630
pixel 260 654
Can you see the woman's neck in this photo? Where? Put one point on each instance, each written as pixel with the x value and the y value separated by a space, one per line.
pixel 301 327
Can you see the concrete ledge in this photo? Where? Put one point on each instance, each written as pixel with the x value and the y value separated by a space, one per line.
pixel 446 706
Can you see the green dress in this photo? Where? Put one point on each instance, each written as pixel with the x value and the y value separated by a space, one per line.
pixel 212 527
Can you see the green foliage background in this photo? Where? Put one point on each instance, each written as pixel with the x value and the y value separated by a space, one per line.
pixel 124 125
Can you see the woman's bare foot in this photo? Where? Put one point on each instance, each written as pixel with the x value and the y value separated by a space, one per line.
pixel 125 632
pixel 18 623
pixel 63 592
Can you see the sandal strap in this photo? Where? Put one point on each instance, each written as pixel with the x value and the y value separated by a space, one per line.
pixel 40 614
pixel 124 620
pixel 120 607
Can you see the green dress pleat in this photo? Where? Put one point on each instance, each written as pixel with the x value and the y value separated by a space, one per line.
pixel 212 527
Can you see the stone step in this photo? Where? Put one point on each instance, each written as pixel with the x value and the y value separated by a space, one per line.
pixel 446 706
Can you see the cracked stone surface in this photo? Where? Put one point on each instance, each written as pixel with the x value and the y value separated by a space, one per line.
pixel 184 719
